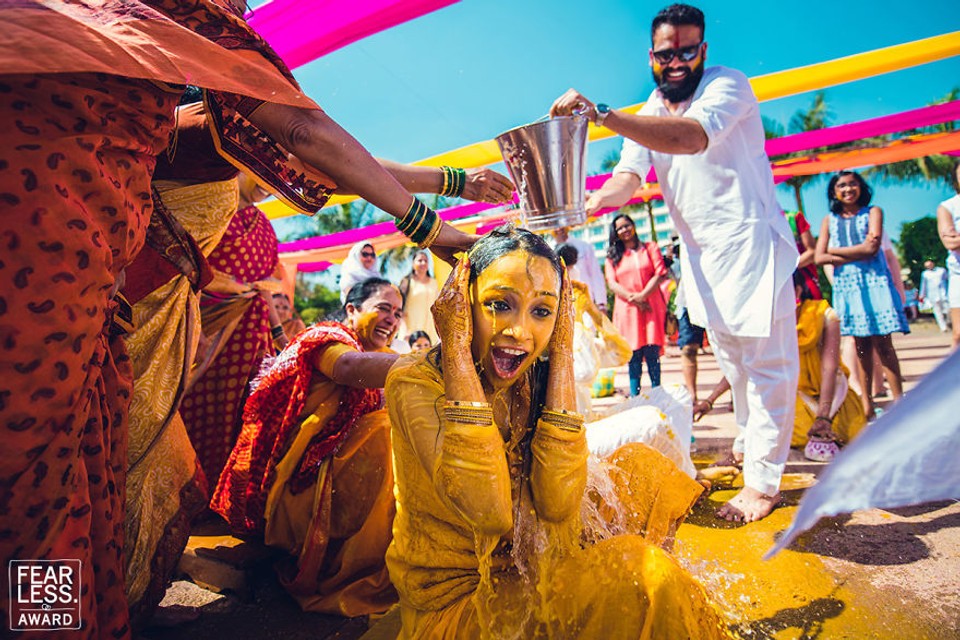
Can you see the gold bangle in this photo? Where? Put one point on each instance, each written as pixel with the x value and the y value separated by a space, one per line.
pixel 566 420
pixel 464 412
pixel 432 235
pixel 479 419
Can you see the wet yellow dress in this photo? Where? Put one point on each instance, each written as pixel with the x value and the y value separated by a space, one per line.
pixel 849 420
pixel 488 538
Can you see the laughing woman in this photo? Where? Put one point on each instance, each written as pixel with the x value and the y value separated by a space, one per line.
pixel 491 465
pixel 311 471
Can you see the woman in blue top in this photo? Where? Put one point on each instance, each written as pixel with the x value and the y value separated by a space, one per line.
pixel 864 295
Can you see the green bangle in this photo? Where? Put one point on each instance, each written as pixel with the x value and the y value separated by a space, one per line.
pixel 418 222
pixel 454 181
pixel 413 218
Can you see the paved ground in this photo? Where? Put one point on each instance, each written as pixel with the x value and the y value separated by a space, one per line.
pixel 874 574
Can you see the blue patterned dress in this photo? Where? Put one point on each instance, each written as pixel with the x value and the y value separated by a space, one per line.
pixel 863 292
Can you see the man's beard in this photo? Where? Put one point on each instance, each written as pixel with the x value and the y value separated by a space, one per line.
pixel 677 93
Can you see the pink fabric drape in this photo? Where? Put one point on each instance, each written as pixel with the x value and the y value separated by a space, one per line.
pixel 913 119
pixel 303 31
pixel 353 236
pixel 314 267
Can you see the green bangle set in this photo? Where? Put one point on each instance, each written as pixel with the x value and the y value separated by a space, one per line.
pixel 454 181
pixel 420 223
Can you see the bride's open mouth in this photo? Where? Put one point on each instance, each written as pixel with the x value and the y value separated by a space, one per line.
pixel 507 361
pixel 383 332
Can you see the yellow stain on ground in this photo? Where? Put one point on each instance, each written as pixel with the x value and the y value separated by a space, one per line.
pixel 796 594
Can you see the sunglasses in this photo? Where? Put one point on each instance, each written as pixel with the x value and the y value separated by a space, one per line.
pixel 683 54
pixel 368 254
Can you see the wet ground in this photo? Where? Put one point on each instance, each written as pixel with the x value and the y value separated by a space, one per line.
pixel 873 574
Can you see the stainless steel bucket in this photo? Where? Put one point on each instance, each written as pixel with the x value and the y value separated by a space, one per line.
pixel 548 163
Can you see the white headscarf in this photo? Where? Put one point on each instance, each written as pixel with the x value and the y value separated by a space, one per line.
pixel 352 270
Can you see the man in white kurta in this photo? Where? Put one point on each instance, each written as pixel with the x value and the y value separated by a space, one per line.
pixel 701 131
pixel 933 291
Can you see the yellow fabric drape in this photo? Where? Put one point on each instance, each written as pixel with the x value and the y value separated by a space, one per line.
pixel 162 460
pixel 850 419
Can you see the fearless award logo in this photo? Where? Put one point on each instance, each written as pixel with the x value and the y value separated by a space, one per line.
pixel 44 595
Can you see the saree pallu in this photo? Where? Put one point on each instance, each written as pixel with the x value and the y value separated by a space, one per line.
pixel 312 472
pixel 165 490
pixel 236 321
pixel 78 151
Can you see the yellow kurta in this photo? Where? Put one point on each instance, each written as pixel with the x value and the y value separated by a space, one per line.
pixel 487 537
pixel 850 419
pixel 339 530
pixel 416 308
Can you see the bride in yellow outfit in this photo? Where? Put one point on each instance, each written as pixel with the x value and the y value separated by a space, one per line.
pixel 492 468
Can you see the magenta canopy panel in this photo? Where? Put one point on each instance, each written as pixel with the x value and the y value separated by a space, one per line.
pixel 301 31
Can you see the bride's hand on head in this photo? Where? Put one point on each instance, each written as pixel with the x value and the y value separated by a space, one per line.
pixel 452 314
pixel 561 342
pixel 561 392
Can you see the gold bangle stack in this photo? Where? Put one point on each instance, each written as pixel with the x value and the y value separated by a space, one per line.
pixel 475 413
pixel 566 420
pixel 432 236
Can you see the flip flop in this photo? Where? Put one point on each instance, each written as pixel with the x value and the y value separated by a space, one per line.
pixel 821 450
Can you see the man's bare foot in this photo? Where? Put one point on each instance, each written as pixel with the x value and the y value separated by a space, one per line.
pixel 748 506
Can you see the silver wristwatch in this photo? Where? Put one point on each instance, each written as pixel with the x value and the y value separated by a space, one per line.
pixel 603 111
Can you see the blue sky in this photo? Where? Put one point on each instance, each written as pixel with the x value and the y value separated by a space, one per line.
pixel 479 67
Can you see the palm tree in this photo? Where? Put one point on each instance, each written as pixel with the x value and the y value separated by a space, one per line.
pixel 817 116
pixel 923 170
pixel 396 258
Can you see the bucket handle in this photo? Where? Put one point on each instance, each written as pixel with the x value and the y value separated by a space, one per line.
pixel 579 111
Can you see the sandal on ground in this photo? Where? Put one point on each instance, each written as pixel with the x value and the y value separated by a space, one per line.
pixel 821 450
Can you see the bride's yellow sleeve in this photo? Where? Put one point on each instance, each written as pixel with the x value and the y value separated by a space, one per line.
pixel 558 475
pixel 466 463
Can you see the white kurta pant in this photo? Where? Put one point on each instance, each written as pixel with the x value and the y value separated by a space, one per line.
pixel 763 373
pixel 941 311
